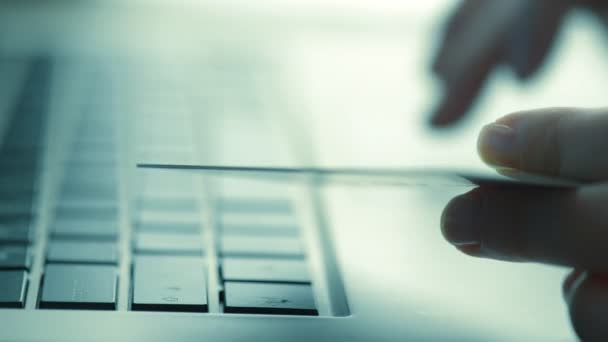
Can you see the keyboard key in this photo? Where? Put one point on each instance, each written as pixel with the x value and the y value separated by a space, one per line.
pixel 238 245
pixel 103 172
pixel 87 213
pixel 279 221
pixel 169 284
pixel 160 181
pixel 89 189
pixel 179 204
pixel 174 244
pixel 169 227
pixel 82 252
pixel 79 287
pixel 96 150
pixel 168 217
pixel 87 209
pixel 255 205
pixel 13 285
pixel 266 298
pixel 14 257
pixel 15 224
pixel 83 146
pixel 85 229
pixel 15 231
pixel 16 209
pixel 270 270
pixel 88 152
pixel 11 187
pixel 257 224
pixel 19 156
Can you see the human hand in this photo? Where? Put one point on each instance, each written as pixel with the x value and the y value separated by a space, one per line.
pixel 554 226
pixel 484 34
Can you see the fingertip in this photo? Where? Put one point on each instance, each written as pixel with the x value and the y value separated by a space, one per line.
pixel 446 115
pixel 459 220
pixel 440 121
pixel 473 250
pixel 496 145
pixel 587 304
pixel 455 103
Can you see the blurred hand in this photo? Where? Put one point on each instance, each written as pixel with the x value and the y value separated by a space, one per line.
pixel 484 34
pixel 560 227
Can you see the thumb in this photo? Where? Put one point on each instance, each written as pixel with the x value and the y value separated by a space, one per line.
pixel 563 142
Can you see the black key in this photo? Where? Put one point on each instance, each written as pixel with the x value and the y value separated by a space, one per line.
pixel 85 229
pixel 266 298
pixel 269 270
pixel 238 245
pixel 169 284
pixel 13 285
pixel 14 257
pixel 173 244
pixel 98 252
pixel 79 287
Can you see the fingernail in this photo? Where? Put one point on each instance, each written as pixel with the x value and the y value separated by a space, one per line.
pixel 570 279
pixel 572 282
pixel 496 145
pixel 472 249
pixel 459 220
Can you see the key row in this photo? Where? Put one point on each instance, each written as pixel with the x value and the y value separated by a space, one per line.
pixel 159 284
pixel 87 252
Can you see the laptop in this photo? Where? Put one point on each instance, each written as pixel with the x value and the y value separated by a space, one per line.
pixel 93 248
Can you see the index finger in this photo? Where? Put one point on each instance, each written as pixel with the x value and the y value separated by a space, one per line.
pixel 563 142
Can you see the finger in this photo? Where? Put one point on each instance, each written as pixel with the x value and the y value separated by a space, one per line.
pixel 459 96
pixel 453 27
pixel 531 40
pixel 481 29
pixel 555 226
pixel 565 142
pixel 588 306
pixel 468 55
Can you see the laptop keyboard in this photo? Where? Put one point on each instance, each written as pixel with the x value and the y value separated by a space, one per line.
pixel 109 237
